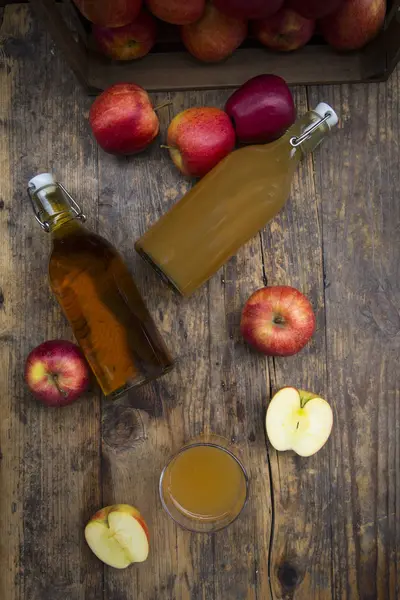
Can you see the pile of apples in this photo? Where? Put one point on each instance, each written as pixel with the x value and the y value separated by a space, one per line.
pixel 212 30
pixel 124 121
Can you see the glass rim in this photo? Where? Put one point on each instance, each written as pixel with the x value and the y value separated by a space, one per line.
pixel 178 453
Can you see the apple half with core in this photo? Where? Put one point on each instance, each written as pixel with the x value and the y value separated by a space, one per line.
pixel 118 536
pixel 299 421
pixel 56 372
pixel 277 320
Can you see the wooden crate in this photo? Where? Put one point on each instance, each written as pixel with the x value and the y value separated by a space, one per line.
pixel 169 67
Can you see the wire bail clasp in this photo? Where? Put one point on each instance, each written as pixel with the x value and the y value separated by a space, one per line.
pixel 296 141
pixel 74 206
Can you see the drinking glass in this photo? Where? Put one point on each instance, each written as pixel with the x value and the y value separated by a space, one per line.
pixel 204 486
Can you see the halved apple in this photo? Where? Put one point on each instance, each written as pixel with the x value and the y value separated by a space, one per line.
pixel 118 536
pixel 299 421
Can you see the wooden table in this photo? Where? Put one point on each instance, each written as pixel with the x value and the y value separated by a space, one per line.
pixel 321 528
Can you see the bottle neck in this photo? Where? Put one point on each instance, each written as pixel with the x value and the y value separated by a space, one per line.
pixel 53 209
pixel 304 137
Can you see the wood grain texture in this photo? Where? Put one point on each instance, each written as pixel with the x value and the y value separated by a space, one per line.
pixel 292 244
pixel 357 173
pixel 217 386
pixel 317 528
pixel 51 464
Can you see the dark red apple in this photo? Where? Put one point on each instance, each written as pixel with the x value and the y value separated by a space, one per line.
pixel 285 31
pixel 130 41
pixel 198 138
pixel 107 13
pixel 249 9
pixel 56 373
pixel 354 24
pixel 262 109
pixel 178 12
pixel 123 120
pixel 277 321
pixel 314 9
pixel 215 36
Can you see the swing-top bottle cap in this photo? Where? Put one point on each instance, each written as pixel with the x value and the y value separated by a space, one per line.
pixel 40 181
pixel 324 108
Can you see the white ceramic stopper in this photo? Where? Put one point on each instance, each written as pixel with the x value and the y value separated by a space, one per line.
pixel 322 109
pixel 40 181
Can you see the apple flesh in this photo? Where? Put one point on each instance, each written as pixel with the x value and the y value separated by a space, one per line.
pixel 109 14
pixel 131 41
pixel 118 536
pixel 262 109
pixel 57 373
pixel 123 120
pixel 198 138
pixel 277 321
pixel 354 24
pixel 249 9
pixel 177 12
pixel 285 31
pixel 299 421
pixel 215 36
pixel 314 9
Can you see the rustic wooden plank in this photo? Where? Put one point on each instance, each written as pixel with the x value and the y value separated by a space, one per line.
pixel 239 386
pixel 300 555
pixel 206 391
pixel 132 192
pixel 180 71
pixel 358 176
pixel 392 37
pixel 72 47
pixel 10 451
pixel 51 464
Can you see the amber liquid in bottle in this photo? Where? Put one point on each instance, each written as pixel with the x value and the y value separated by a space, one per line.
pixel 100 300
pixel 226 208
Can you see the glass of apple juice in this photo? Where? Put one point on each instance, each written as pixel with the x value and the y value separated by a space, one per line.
pixel 204 487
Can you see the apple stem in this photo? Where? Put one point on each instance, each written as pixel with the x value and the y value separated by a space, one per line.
pixel 298 423
pixel 54 378
pixel 162 105
pixel 165 146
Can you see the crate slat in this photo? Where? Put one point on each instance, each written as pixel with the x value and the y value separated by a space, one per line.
pixel 178 70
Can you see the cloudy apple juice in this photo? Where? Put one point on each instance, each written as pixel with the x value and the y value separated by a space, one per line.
pixel 229 205
pixel 98 296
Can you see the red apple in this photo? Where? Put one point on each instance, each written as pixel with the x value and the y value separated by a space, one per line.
pixel 249 9
pixel 56 373
pixel 178 12
pixel 286 30
pixel 354 24
pixel 130 41
pixel 123 119
pixel 262 109
pixel 109 14
pixel 215 36
pixel 277 321
pixel 314 9
pixel 198 138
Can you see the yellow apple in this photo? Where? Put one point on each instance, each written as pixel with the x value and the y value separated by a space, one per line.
pixel 118 536
pixel 299 421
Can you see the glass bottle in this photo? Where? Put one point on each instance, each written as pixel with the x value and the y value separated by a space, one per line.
pixel 230 204
pixel 98 295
